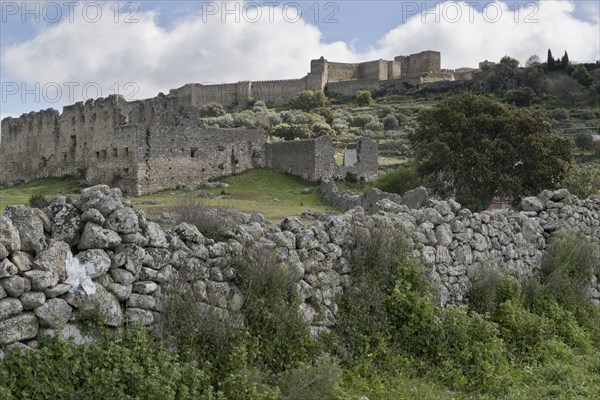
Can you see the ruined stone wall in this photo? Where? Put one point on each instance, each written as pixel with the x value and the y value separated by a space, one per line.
pixel 349 88
pixel 188 155
pixel 415 64
pixel 277 92
pixel 310 159
pixel 366 164
pixel 131 261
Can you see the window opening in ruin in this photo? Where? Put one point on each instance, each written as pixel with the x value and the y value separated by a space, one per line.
pixel 126 170
pixel 73 120
pixel 94 117
pixel 103 154
pixel 194 152
pixel 126 151
pixel 73 141
pixel 64 156
pixel 114 152
pixel 97 155
pixel 83 118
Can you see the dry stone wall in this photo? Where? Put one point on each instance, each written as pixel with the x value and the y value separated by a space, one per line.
pixel 126 262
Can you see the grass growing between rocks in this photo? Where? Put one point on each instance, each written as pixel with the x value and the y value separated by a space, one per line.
pixel 516 340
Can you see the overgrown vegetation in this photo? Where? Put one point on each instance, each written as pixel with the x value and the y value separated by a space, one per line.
pixel 528 340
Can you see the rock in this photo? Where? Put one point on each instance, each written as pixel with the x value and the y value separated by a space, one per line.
pixel 9 235
pixel 415 198
pixel 143 301
pixel 66 225
pixel 140 316
pixel 189 233
pixel 22 260
pixel 95 261
pixel 9 307
pixel 443 234
pixel 102 198
pixel 104 303
pixel 31 300
pixel 121 292
pixel 531 204
pixel 53 259
pixel 122 276
pixel 68 332
pixel 57 290
pixel 96 237
pixel 145 287
pixel 53 313
pixel 21 348
pixel 123 220
pixel 93 215
pixel 31 228
pixel 156 236
pixel 22 327
pixel 562 196
pixel 2 293
pixel 41 280
pixel 3 252
pixel 291 224
pixel 7 269
pixel 14 285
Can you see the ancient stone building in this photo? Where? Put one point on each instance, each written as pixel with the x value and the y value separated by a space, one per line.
pixel 147 145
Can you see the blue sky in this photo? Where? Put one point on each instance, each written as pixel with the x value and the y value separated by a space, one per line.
pixel 77 50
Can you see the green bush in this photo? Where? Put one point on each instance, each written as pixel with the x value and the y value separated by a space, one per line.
pixel 322 129
pixel 390 122
pixel 363 98
pixel 291 132
pixel 374 126
pixel 399 181
pixel 121 364
pixel 308 100
pixel 584 141
pixel 212 222
pixel 361 120
pixel 567 269
pixel 583 181
pixel 558 114
pixel 212 110
pixel 520 97
pixel 38 200
pixel 489 289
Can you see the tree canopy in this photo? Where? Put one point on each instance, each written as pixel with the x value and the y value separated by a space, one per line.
pixel 475 148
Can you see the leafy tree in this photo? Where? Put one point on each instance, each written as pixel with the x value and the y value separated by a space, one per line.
pixel 532 61
pixel 511 62
pixel 364 98
pixel 308 100
pixel 475 148
pixel 582 75
pixel 584 140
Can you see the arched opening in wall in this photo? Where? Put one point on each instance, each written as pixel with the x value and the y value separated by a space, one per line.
pixel 194 152
pixel 126 152
pixel 73 142
pixel 72 120
pixel 115 152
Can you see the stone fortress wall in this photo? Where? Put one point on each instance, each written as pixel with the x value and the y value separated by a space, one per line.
pixel 130 262
pixel 152 144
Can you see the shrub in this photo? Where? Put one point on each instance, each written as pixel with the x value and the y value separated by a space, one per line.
pixel 586 113
pixel 361 120
pixel 584 140
pixel 325 112
pixel 363 98
pixel 567 269
pixel 390 122
pixel 311 381
pixel 374 126
pixel 38 200
pixel 121 364
pixel 558 114
pixel 291 132
pixel 520 97
pixel 583 181
pixel 212 222
pixel 308 100
pixel 489 289
pixel 399 181
pixel 321 129
pixel 271 310
pixel 212 110
pixel 259 106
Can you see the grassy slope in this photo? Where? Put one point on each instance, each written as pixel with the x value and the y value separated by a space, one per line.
pixel 49 187
pixel 274 195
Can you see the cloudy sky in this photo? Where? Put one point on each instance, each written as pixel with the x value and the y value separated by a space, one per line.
pixel 56 52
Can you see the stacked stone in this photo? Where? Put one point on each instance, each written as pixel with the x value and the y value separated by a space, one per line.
pixel 132 260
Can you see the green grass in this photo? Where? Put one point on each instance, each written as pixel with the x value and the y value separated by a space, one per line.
pixel 48 187
pixel 273 194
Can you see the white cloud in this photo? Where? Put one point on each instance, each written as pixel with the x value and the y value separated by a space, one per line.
pixel 496 32
pixel 157 59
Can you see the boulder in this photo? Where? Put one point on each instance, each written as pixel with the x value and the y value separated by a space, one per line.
pixel 31 300
pixel 7 269
pixel 9 307
pixel 104 303
pixel 95 261
pixel 53 259
pixel 532 204
pixel 96 237
pixel 53 313
pixel 29 225
pixel 41 280
pixel 22 260
pixel 22 327
pixel 66 225
pixel 123 220
pixel 14 286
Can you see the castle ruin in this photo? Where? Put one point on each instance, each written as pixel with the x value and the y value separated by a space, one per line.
pixel 147 145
